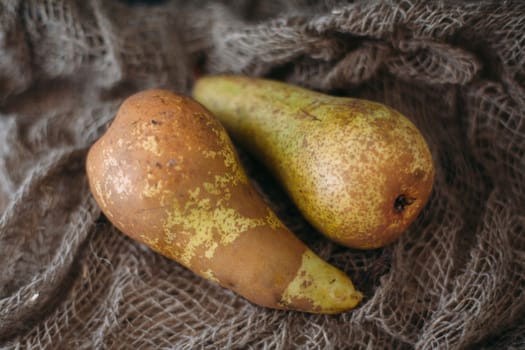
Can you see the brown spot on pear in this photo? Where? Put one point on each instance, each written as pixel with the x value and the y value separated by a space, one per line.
pixel 359 171
pixel 176 185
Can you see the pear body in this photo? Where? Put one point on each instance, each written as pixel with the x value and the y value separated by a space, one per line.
pixel 166 174
pixel 359 171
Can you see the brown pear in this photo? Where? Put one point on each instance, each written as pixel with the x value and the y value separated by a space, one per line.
pixel 166 174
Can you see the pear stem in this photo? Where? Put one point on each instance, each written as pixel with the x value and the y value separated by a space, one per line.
pixel 401 202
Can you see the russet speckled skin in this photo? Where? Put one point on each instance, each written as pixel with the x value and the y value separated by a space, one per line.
pixel 359 171
pixel 166 174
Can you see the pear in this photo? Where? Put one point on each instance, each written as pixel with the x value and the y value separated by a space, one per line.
pixel 359 171
pixel 166 174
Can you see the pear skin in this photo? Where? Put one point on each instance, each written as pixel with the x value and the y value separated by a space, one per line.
pixel 166 174
pixel 359 171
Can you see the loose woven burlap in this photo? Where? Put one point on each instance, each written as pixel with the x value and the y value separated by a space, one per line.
pixel 69 280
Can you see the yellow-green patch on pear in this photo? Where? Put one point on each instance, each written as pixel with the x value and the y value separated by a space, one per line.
pixel 322 286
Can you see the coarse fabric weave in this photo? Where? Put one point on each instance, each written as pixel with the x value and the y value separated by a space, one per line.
pixel 69 280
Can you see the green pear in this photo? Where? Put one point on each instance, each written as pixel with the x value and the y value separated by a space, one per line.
pixel 359 171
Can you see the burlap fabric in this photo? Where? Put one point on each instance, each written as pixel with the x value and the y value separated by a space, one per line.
pixel 455 280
